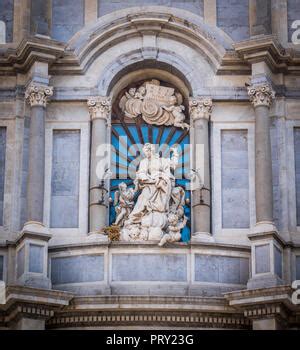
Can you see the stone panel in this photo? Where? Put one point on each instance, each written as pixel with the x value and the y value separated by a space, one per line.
pixel 65 179
pixel 278 262
pixel 262 258
pixel 36 258
pixel 108 6
pixel 1 267
pixel 20 262
pixel 221 269
pixel 2 170
pixel 7 16
pixel 235 179
pixel 77 269
pixel 149 267
pixel 67 18
pixel 297 170
pixel 293 14
pixel 233 18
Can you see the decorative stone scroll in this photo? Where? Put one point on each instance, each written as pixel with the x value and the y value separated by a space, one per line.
pixel 157 213
pixel 261 95
pixel 37 95
pixel 200 108
pixel 157 104
pixel 99 107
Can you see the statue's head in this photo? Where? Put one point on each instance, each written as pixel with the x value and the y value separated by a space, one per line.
pixel 122 186
pixel 172 218
pixel 148 149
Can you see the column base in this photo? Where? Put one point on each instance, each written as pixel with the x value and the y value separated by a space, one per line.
pixel 202 237
pixel 37 228
pixel 266 281
pixel 96 236
pixel 263 227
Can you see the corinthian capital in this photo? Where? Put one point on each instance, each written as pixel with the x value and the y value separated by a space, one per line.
pixel 99 107
pixel 261 95
pixel 200 107
pixel 37 95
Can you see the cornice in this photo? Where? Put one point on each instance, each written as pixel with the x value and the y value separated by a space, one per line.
pixel 266 48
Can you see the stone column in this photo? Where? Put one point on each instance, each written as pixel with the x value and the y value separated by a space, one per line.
pixel 200 111
pixel 100 109
pixel 261 96
pixel 36 95
pixel 266 244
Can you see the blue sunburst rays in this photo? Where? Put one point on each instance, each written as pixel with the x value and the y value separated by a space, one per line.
pixel 128 141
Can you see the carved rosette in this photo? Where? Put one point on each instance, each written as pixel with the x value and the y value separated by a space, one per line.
pixel 37 95
pixel 261 95
pixel 200 108
pixel 99 107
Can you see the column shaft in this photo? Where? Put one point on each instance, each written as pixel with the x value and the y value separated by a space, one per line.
pixel 200 110
pixel 100 114
pixel 263 166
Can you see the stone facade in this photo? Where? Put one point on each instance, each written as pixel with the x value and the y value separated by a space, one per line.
pixel 232 71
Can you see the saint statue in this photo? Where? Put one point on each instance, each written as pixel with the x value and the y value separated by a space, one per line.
pixel 150 217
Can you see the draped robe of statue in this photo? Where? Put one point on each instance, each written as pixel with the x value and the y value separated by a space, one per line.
pixel 155 181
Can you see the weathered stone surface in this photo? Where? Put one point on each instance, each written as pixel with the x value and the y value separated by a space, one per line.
pixel 221 269
pixel 2 170
pixel 233 18
pixel 65 179
pixel 76 269
pixel 149 267
pixel 36 258
pixel 235 179
pixel 262 258
pixel 67 18
pixel 108 6
pixel 7 16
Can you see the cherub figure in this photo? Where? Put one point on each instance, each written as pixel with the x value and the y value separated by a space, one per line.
pixel 174 228
pixel 124 203
pixel 177 112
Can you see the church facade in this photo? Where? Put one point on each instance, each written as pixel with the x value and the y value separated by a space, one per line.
pixel 149 164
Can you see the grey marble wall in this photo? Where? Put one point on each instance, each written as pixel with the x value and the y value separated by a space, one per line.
pixel 2 170
pixel 65 179
pixel 235 179
pixel 36 258
pixel 262 258
pixel 67 18
pixel 233 18
pixel 297 170
pixel 293 14
pixel 76 269
pixel 1 267
pixel 221 269
pixel 25 159
pixel 7 16
pixel 149 267
pixel 107 6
